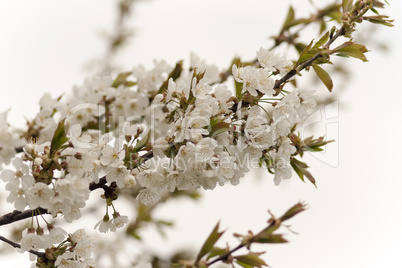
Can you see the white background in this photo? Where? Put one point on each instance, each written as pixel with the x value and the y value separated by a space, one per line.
pixel 354 217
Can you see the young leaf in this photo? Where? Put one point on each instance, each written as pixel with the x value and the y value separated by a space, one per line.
pixel 209 243
pixel 305 55
pixel 324 76
pixel 352 50
pixel 298 171
pixel 142 143
pixel 322 40
pixel 346 5
pixel 293 211
pixel 301 170
pixel 239 89
pixel 380 19
pixel 267 237
pixel 122 80
pixel 215 251
pixel 289 19
pixel 59 138
pixel 250 260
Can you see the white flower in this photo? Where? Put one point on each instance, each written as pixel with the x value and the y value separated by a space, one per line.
pixel 117 174
pixel 147 197
pixel 8 140
pixel 282 170
pixel 282 166
pixel 118 222
pixel 253 79
pixel 136 106
pixel 308 104
pixel 211 71
pixel 39 196
pixel 205 148
pixel 71 195
pixel 85 244
pixel 160 146
pixel 286 149
pixel 271 60
pixel 79 139
pixel 265 82
pixel 21 173
pixel 131 129
pixel 287 108
pixel 104 226
pixel 56 235
pixel 281 127
pixel 223 95
pixel 17 196
pixel 32 241
pixel 111 156
pixel 82 163
pixel 248 76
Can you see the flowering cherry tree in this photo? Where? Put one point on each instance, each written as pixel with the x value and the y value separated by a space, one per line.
pixel 156 134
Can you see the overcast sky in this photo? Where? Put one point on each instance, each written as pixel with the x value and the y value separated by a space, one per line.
pixel 353 218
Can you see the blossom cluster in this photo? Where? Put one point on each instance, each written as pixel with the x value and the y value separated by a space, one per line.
pixel 73 250
pixel 164 130
pixel 161 131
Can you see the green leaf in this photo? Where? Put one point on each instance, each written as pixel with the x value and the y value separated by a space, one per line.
pixel 301 170
pixel 380 19
pixel 289 18
pixel 266 237
pixel 135 235
pixel 215 251
pixel 217 128
pixel 300 47
pixel 293 211
pixel 347 5
pixel 142 143
pixel 250 260
pixel 298 171
pixel 322 40
pixel 59 138
pixel 209 243
pixel 122 80
pixel 305 55
pixel 314 149
pixel 324 76
pixel 374 10
pixel 239 89
pixel 323 26
pixel 352 50
pixel 310 177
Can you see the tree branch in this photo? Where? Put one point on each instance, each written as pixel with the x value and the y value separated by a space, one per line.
pixel 19 215
pixel 307 63
pixel 16 245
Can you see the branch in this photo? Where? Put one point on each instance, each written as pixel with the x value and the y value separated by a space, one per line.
pixel 16 245
pixel 20 215
pixel 225 256
pixel 264 236
pixel 308 62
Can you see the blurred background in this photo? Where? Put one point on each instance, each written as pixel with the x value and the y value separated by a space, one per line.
pixel 353 218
